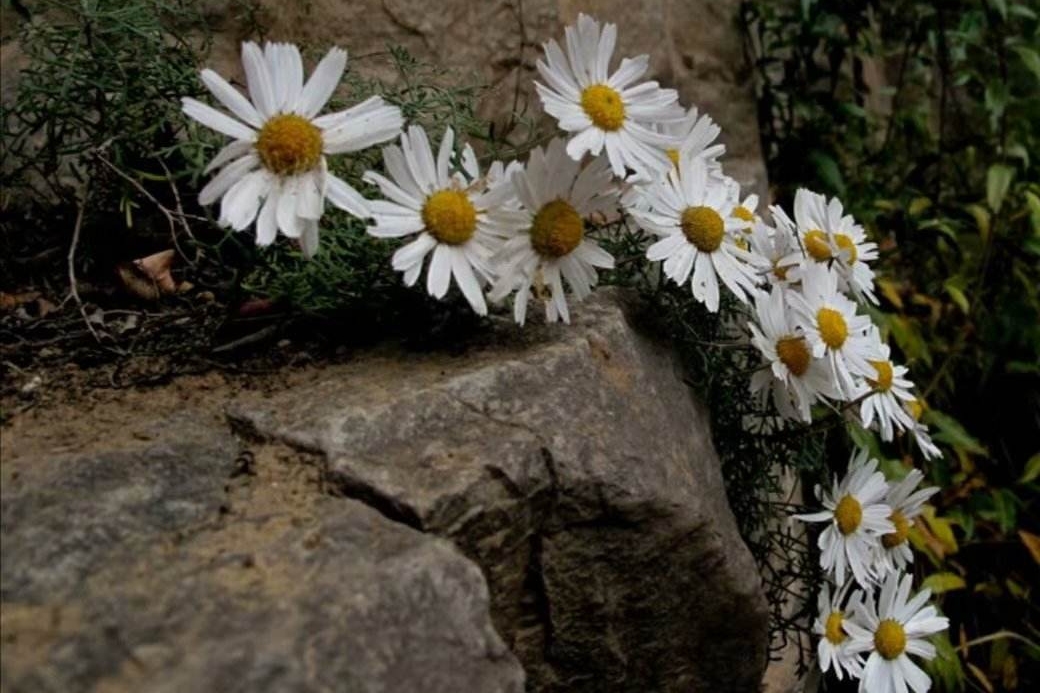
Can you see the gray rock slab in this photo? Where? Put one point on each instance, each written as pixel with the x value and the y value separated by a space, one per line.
pixel 147 569
pixel 573 465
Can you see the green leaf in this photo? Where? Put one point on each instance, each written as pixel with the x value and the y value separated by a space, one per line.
pixel 1030 58
pixel 1019 152
pixel 998 178
pixel 1000 6
pixel 946 667
pixel 828 171
pixel 907 335
pixel 1005 505
pixel 918 205
pixel 1033 202
pixel 1022 11
pixel 1032 470
pixel 981 215
pixel 950 431
pixel 943 582
pixel 957 295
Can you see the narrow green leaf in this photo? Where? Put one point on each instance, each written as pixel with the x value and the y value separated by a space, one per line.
pixel 1030 58
pixel 998 179
pixel 1032 470
pixel 951 432
pixel 957 296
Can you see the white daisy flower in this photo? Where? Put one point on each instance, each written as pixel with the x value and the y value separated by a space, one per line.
pixel 692 212
pixel 797 379
pixel 275 173
pixel 832 650
pixel 885 394
pixel 890 630
pixel 771 248
pixel 829 236
pixel 919 434
pixel 548 243
pixel 746 211
pixel 694 137
pixel 894 552
pixel 606 111
pixel 452 210
pixel 857 520
pixel 834 329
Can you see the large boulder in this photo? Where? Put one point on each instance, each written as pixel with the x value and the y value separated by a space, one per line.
pixel 175 564
pixel 571 464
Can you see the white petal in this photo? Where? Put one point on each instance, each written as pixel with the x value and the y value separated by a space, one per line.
pixel 267 222
pixel 309 238
pixel 439 275
pixel 258 78
pixel 322 83
pixel 231 174
pixel 215 120
pixel 236 149
pixel 467 281
pixel 344 196
pixel 231 98
pixel 413 253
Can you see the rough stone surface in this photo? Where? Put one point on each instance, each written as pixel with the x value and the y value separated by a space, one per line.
pixel 696 47
pixel 574 467
pixel 174 564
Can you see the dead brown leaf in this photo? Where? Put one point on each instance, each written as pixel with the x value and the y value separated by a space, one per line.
pixel 150 278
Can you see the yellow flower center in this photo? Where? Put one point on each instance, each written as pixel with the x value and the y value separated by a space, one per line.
pixel 832 629
pixel 743 213
pixel 449 216
pixel 673 156
pixel 703 227
pixel 848 514
pixel 289 144
pixel 794 354
pixel 884 376
pixel 916 408
pixel 893 539
pixel 604 107
pixel 557 229
pixel 890 639
pixel 780 272
pixel 833 329
pixel 845 243
pixel 816 245
pixel 742 243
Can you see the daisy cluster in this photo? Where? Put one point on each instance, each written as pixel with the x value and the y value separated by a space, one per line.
pixel 865 609
pixel 526 230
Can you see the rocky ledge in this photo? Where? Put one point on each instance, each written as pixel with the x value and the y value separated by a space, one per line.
pixel 545 507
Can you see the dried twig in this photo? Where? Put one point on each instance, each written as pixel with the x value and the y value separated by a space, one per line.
pixel 180 215
pixel 73 287
pixel 171 216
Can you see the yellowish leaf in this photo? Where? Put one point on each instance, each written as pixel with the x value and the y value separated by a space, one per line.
pixel 981 215
pixel 941 529
pixel 943 582
pixel 918 205
pixel 980 676
pixel 890 290
pixel 1032 543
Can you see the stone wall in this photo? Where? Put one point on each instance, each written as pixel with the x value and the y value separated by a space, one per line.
pixel 696 46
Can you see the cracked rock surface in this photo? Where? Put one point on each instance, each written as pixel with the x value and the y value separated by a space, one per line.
pixel 575 468
pixel 542 510
pixel 173 563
